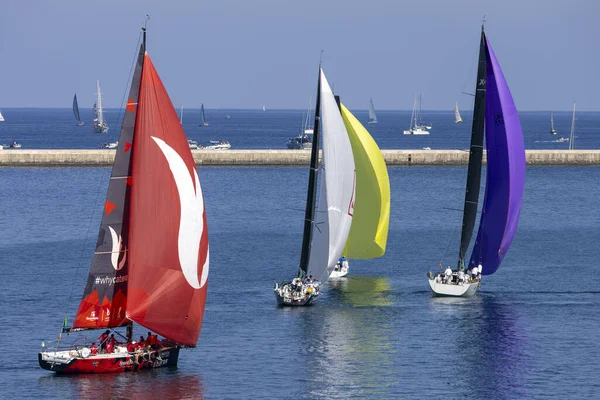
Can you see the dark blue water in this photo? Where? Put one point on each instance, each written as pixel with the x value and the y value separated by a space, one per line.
pixel 254 129
pixel 531 332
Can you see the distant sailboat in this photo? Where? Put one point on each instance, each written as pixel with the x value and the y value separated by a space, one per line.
pixel 572 135
pixel 372 115
pixel 416 125
pixel 457 117
pixel 264 108
pixel 1 117
pixel 76 111
pixel 204 123
pixel 552 130
pixel 99 126
pixel 303 141
pixel 495 115
pixel 181 115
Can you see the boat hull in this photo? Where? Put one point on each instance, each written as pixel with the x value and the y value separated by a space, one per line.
pixel 339 273
pixel 453 290
pixel 100 129
pixel 289 302
pixel 72 362
pixel 299 146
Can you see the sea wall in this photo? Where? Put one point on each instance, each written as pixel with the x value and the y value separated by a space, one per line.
pixel 102 158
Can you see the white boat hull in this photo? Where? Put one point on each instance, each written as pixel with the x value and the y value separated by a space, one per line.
pixel 453 290
pixel 339 273
pixel 416 132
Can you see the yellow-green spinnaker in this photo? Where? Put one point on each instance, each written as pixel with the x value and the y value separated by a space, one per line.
pixel 370 222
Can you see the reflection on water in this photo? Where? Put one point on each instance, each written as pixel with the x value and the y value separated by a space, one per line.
pixel 361 291
pixel 347 338
pixel 485 341
pixel 165 383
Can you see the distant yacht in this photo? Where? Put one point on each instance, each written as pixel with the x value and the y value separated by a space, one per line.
pixel 76 111
pixel 572 136
pixel 227 116
pixel 1 117
pixel 416 124
pixel 457 117
pixel 303 141
pixel 181 115
pixel 264 108
pixel 99 126
pixel 552 130
pixel 372 115
pixel 109 145
pixel 204 123
pixel 216 145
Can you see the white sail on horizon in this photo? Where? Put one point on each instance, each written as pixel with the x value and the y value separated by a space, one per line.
pixel 457 117
pixel 372 115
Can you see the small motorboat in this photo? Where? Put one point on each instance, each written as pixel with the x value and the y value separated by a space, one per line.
pixel 216 145
pixel 15 145
pixel 109 145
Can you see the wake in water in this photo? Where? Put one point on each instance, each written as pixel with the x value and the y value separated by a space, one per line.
pixel 559 140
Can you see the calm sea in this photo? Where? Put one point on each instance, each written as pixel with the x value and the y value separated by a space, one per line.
pixel 254 129
pixel 531 332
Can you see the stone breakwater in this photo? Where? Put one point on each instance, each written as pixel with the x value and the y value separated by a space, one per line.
pixel 104 158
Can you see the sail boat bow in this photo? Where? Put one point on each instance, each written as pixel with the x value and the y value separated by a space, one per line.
pixel 152 258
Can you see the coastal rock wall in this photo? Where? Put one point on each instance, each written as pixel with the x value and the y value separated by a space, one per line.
pixel 103 158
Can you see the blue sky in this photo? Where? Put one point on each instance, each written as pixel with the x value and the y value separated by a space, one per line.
pixel 246 53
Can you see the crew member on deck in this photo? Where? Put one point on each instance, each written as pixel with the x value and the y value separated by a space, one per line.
pixel 93 349
pixel 130 346
pixel 110 347
pixel 103 339
pixel 448 275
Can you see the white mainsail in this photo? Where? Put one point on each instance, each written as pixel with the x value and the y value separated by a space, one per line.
pixel 333 217
pixel 1 117
pixel 372 115
pixel 457 117
pixel 100 112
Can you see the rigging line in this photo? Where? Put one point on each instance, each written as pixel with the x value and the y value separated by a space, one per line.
pixel 100 181
pixel 456 224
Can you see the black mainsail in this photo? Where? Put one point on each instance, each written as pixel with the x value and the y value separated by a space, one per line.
pixel 311 196
pixel 475 156
pixel 105 294
pixel 76 108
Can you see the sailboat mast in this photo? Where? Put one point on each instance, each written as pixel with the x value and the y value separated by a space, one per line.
pixel 475 155
pixel 311 196
pixel 572 136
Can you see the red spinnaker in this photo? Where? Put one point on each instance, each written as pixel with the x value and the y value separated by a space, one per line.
pixel 168 236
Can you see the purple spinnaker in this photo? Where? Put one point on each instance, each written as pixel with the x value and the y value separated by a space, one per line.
pixel 505 179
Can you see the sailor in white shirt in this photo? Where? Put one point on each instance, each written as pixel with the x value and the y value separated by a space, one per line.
pixel 461 277
pixel 448 274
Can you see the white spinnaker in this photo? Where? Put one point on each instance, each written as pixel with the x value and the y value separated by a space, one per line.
pixel 333 217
